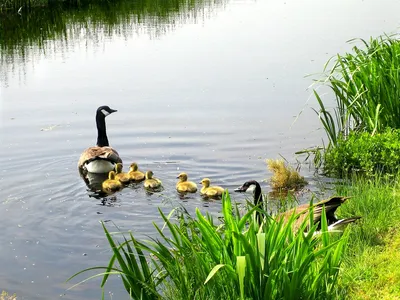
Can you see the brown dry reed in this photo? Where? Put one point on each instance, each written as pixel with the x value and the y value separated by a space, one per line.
pixel 284 177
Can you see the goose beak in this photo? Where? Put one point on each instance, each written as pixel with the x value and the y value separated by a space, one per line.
pixel 113 110
pixel 240 189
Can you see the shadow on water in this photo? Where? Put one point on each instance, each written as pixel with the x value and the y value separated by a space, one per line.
pixel 59 25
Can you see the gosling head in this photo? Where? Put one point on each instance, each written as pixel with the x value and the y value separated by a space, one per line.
pixel 111 175
pixel 134 167
pixel 149 174
pixel 105 110
pixel 182 177
pixel 205 182
pixel 118 168
pixel 247 187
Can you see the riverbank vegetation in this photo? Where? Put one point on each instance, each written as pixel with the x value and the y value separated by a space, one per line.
pixel 365 84
pixel 201 258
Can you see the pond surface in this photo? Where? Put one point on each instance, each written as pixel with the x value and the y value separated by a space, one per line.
pixel 210 88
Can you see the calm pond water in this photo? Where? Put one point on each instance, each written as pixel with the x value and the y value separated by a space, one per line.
pixel 209 87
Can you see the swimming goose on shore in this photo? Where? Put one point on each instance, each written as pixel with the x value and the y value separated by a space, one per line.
pixel 121 176
pixel 151 182
pixel 134 173
pixel 330 205
pixel 100 158
pixel 111 185
pixel 183 185
pixel 210 191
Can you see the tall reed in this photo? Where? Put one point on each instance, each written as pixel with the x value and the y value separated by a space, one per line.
pixel 196 258
pixel 366 86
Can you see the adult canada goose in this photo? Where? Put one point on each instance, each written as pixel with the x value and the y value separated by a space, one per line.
pixel 101 158
pixel 301 211
pixel 152 182
pixel 185 186
pixel 134 173
pixel 111 185
pixel 210 191
pixel 121 176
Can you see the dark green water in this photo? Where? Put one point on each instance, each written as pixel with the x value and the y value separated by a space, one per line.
pixel 212 88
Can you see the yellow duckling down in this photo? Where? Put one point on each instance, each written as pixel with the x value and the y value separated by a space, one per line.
pixel 185 186
pixel 111 184
pixel 121 176
pixel 151 182
pixel 210 191
pixel 134 173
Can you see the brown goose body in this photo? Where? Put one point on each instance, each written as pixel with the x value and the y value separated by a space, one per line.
pixel 301 211
pixel 100 158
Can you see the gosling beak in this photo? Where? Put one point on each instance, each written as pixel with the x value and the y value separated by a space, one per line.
pixel 177 177
pixel 240 189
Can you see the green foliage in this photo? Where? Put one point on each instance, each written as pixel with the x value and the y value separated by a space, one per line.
pixel 366 87
pixel 370 257
pixel 364 153
pixel 194 258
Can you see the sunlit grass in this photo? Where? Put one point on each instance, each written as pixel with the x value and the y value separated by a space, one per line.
pixel 371 262
pixel 201 258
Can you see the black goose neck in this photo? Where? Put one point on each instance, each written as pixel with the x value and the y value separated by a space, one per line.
pixel 257 193
pixel 102 139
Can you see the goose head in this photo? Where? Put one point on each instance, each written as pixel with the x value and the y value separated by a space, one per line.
pixel 111 175
pixel 105 111
pixel 133 167
pixel 252 187
pixel 149 174
pixel 118 168
pixel 205 182
pixel 248 187
pixel 182 177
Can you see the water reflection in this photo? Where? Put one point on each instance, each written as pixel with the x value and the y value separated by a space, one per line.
pixel 62 26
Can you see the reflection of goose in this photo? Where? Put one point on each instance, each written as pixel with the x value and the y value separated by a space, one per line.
pixel 111 185
pixel 94 182
pixel 134 173
pixel 330 207
pixel 151 182
pixel 210 191
pixel 101 158
pixel 121 176
pixel 185 186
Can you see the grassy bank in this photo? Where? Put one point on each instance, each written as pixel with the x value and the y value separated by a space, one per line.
pixel 371 268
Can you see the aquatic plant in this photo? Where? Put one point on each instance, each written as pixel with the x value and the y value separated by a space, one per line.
pixel 197 258
pixel 284 176
pixel 5 296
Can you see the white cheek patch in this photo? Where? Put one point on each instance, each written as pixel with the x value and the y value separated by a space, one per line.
pixel 251 189
pixel 106 113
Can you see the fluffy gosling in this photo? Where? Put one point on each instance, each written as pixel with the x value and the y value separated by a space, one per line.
pixel 185 186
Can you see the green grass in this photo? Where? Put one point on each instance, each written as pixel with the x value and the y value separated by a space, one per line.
pixel 366 84
pixel 372 260
pixel 199 258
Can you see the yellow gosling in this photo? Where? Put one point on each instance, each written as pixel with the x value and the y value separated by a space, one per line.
pixel 151 182
pixel 210 191
pixel 185 186
pixel 121 176
pixel 111 185
pixel 134 173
